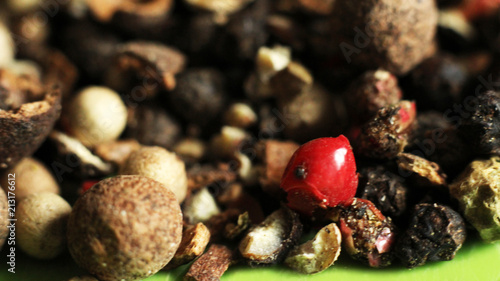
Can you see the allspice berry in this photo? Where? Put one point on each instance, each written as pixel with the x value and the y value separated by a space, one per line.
pixel 395 35
pixel 96 115
pixel 161 165
pixel 41 225
pixel 125 228
pixel 31 177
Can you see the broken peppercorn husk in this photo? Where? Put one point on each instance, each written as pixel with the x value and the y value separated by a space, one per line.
pixel 317 254
pixel 24 126
pixel 141 69
pixel 423 171
pixel 269 242
pixel 477 190
pixel 194 241
pixel 435 233
pixel 212 264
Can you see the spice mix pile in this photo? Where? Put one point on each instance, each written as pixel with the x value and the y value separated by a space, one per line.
pixel 146 135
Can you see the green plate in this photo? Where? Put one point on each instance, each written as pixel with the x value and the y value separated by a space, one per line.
pixel 476 261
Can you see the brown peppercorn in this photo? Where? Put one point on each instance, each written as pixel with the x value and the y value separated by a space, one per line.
pixel 435 233
pixel 161 165
pixel 125 228
pixel 392 34
pixel 152 125
pixel 24 128
pixel 199 96
pixel 31 177
pixel 41 225
pixel 371 92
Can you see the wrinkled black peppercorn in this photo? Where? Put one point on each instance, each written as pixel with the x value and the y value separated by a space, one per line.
pixel 385 189
pixel 481 129
pixel 436 233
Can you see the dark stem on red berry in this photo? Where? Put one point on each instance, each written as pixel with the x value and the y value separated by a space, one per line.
pixel 300 172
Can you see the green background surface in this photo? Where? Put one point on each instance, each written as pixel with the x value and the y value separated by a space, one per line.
pixel 475 261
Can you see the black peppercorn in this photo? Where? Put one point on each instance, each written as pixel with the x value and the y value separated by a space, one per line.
pixel 481 129
pixel 436 233
pixel 385 189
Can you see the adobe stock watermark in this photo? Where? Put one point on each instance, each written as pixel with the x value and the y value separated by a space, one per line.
pixel 11 237
pixel 361 40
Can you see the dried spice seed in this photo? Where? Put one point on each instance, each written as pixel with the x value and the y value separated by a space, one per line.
pixel 83 163
pixel 386 134
pixel 371 92
pixel 212 264
pixel 384 189
pixel 318 253
pixel 152 125
pixel 397 35
pixel 367 235
pixel 275 155
pixel 199 95
pixel 200 176
pixel 41 226
pixel 161 165
pixel 125 220
pixel 270 241
pixel 436 232
pixel 32 176
pixel 194 241
pixel 116 152
pixel 424 172
pixel 24 129
pixel 481 129
pixel 200 207
pixel 142 69
pixel 437 83
pixel 234 230
pixel 320 174
pixel 478 193
pixel 95 115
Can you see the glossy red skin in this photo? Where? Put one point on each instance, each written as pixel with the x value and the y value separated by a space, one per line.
pixel 330 175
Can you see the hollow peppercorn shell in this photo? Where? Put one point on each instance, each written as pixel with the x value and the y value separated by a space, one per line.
pixel 22 131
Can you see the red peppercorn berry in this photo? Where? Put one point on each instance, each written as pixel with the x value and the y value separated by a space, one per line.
pixel 320 174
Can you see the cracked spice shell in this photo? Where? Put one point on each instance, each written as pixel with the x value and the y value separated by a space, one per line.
pixel 23 130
